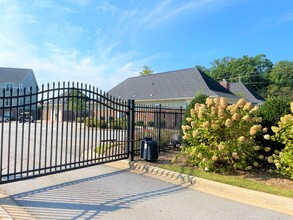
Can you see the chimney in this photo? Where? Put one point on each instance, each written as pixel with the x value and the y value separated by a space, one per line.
pixel 225 84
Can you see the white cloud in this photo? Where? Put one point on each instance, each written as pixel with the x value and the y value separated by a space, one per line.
pixel 58 56
pixel 48 4
pixel 102 66
pixel 274 21
pixel 6 40
pixel 106 6
pixel 286 18
pixel 61 65
pixel 168 10
pixel 79 2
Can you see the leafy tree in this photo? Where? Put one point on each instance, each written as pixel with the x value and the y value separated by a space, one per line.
pixel 77 100
pixel 220 68
pixel 203 68
pixel 282 79
pixel 146 70
pixel 252 71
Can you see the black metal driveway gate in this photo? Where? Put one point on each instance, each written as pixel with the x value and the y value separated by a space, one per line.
pixel 57 129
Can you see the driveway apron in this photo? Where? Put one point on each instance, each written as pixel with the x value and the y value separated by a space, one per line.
pixel 104 192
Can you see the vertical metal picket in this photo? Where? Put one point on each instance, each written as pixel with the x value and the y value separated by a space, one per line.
pixel 57 141
pixel 131 127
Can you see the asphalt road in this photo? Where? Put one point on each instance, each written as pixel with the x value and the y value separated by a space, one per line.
pixel 103 192
pixel 33 146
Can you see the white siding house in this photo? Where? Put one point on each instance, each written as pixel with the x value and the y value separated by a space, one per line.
pixel 13 82
pixel 173 88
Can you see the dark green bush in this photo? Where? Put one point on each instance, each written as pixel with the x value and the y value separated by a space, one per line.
pixel 271 112
pixel 102 124
pixel 80 120
pixel 94 122
pixel 139 123
pixel 90 122
pixel 118 123
pixel 150 124
pixel 273 109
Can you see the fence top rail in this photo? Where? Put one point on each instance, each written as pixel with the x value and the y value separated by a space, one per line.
pixel 156 107
pixel 51 93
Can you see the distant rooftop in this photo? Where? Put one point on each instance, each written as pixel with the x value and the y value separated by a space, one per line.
pixel 8 74
pixel 185 83
pixel 238 88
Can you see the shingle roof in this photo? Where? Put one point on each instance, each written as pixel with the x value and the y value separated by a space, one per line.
pixel 249 93
pixel 8 74
pixel 183 83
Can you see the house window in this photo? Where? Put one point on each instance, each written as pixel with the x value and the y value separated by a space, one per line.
pixel 9 86
pixel 7 102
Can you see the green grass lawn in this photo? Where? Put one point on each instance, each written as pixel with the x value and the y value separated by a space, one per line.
pixel 102 148
pixel 231 180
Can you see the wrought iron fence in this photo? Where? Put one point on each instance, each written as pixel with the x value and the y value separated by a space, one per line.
pixel 161 123
pixel 60 128
pixel 70 126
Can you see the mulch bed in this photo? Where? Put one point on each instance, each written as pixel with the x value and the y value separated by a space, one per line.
pixel 272 179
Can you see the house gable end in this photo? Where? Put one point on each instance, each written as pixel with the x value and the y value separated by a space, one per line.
pixel 13 74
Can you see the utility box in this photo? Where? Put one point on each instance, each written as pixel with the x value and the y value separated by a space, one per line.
pixel 149 149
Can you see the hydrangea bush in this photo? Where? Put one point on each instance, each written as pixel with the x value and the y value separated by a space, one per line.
pixel 283 159
pixel 199 98
pixel 221 137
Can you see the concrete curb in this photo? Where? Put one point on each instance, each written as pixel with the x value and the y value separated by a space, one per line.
pixel 251 197
pixel 11 210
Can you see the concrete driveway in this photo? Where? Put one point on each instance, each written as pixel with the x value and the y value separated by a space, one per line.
pixel 104 192
pixel 36 146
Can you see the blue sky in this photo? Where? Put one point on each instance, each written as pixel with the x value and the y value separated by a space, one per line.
pixel 104 42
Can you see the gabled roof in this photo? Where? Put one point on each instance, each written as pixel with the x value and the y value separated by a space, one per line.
pixel 239 88
pixel 185 83
pixel 8 74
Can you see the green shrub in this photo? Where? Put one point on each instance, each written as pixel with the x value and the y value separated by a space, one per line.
pixel 273 109
pixel 90 122
pixel 118 123
pixel 283 159
pixel 80 120
pixel 220 137
pixel 167 135
pixel 271 112
pixel 101 124
pixel 139 123
pixel 94 122
pixel 201 99
pixel 150 124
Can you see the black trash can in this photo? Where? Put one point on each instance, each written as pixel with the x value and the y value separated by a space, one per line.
pixel 149 149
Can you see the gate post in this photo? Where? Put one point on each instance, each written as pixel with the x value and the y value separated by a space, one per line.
pixel 160 121
pixel 130 129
